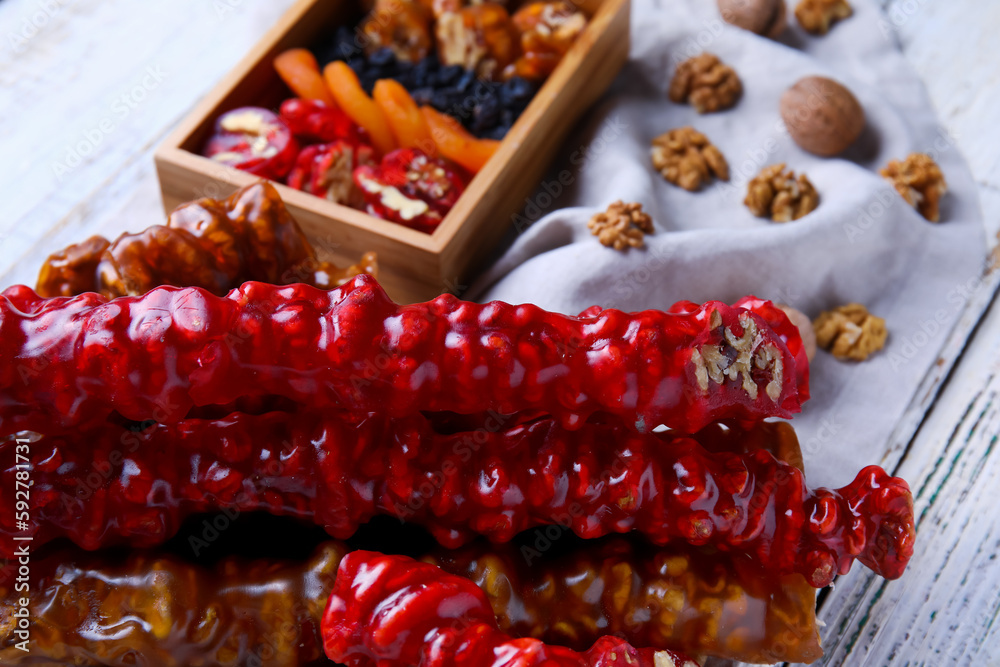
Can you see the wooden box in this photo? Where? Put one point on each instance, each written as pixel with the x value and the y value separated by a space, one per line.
pixel 414 266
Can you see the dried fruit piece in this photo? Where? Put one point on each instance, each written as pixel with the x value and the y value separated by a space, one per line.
pixel 401 25
pixel 254 140
pixel 341 469
pixel 764 17
pixel 449 355
pixel 686 157
pixel 706 83
pixel 327 170
pixel 214 244
pixel 777 194
pixel 455 143
pixel 410 188
pixel 397 612
pixel 817 16
pixel 822 115
pixel 404 116
pixel 312 121
pixel 300 72
pixel 480 38
pixel 346 89
pixel 850 332
pixel 621 225
pixel 920 182
pixel 547 29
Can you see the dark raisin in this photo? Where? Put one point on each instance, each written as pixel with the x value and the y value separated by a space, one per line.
pixel 465 81
pixel 447 76
pixel 485 115
pixel 420 75
pixel 498 132
pixel 423 96
pixel 516 93
pixel 384 57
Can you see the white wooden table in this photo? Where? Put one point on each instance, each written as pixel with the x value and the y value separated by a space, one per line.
pixel 89 87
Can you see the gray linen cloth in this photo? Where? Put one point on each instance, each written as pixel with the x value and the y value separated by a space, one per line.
pixel 863 243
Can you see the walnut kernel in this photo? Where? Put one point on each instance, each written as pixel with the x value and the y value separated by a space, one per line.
pixel 736 357
pixel 621 226
pixel 920 181
pixel 685 157
pixel 707 83
pixel 850 332
pixel 816 16
pixel 779 195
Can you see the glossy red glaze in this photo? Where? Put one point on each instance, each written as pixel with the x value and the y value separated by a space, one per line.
pixel 312 121
pixel 411 188
pixel 391 611
pixel 111 485
pixel 72 361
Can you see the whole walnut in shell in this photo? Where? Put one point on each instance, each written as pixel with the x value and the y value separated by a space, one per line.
pixel 764 17
pixel 822 116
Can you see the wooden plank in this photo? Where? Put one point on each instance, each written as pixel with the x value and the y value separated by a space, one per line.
pixel 944 610
pixel 936 613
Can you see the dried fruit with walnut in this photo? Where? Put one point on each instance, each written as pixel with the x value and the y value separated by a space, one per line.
pixel 781 196
pixel 686 157
pixel 547 31
pixel 621 226
pixel 706 83
pixel 401 25
pixel 410 188
pixel 254 140
pixel 818 16
pixel 480 38
pixel 920 182
pixel 327 171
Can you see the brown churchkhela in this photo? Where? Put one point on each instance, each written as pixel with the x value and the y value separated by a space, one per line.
pixel 86 610
pixel 214 244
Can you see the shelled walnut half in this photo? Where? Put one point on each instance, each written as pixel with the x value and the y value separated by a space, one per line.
pixel 686 157
pixel 850 332
pixel 401 25
pixel 621 226
pixel 547 30
pixel 920 182
pixel 817 16
pixel 706 83
pixel 777 194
